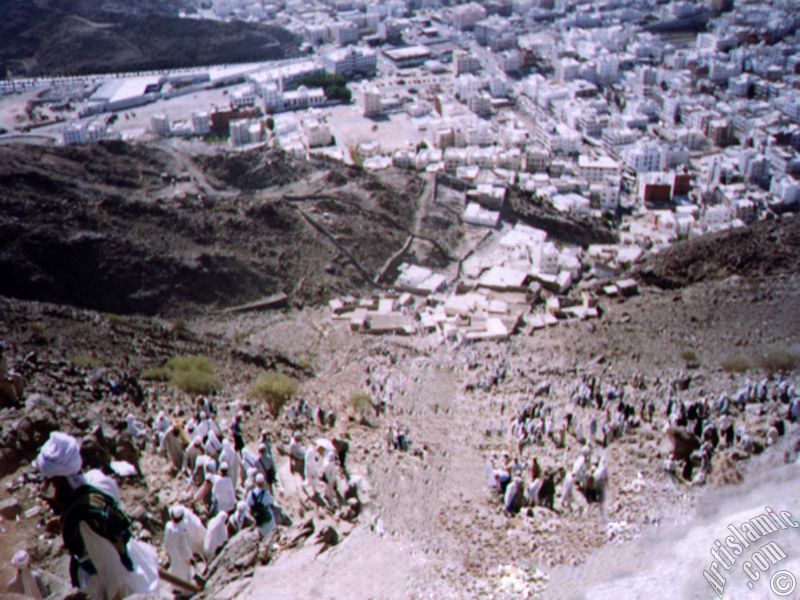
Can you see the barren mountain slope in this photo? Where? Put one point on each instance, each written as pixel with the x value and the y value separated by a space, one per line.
pixel 133 229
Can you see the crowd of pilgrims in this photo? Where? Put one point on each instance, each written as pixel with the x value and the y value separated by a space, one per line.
pixel 601 414
pixel 230 485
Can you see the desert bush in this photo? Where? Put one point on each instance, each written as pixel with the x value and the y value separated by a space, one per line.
pixel 39 333
pixel 737 364
pixel 193 374
pixel 179 325
pixel 114 319
pixel 274 388
pixel 81 360
pixel 156 374
pixel 779 359
pixel 195 382
pixel 360 401
pixel 689 356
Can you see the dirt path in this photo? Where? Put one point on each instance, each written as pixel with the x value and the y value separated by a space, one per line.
pixel 409 552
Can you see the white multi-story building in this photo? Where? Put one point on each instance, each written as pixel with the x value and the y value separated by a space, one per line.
pixel 494 32
pixel 344 33
pixel 243 97
pixel 464 62
pixel 350 61
pixel 537 159
pixel 317 134
pixel 786 189
pixel 595 170
pixel 316 34
pixel 498 88
pixel 246 131
pixel 509 60
pixel 160 124
pixel 607 68
pixel 608 193
pixel 619 136
pixel 372 101
pixel 643 157
pixel 568 68
pixel 465 16
pixel 480 104
pixel 674 155
pixel 303 97
pixel 74 133
pixel 467 86
pixel 271 94
pixel 739 85
pixel 670 109
pixel 201 122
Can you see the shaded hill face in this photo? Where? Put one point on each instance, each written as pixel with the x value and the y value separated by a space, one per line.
pixel 764 248
pixel 98 227
pixel 56 37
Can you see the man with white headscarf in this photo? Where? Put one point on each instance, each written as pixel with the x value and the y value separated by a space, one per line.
pixel 176 544
pixel 217 535
pixel 266 464
pixel 228 455
pixel 135 428
pixel 329 476
pixel 212 444
pixel 203 466
pixel 162 422
pixel 193 451
pixel 260 502
pixel 313 466
pixel 26 582
pixel 195 530
pixel 240 519
pixel 223 494
pixel 171 445
pixel 106 561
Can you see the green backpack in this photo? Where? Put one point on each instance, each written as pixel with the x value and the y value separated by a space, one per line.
pixel 102 513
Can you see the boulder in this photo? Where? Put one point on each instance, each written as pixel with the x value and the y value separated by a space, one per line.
pixel 237 559
pixel 10 508
pixel 683 443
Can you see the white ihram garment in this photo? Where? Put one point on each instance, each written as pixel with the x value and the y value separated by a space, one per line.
pixel 113 579
pixel 216 535
pixel 176 543
pixel 223 494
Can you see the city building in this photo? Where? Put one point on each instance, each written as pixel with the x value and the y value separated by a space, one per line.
pixel 350 61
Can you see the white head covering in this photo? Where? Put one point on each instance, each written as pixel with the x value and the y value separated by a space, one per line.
pixel 20 559
pixel 60 456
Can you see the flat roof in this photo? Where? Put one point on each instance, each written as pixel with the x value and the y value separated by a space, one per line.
pixel 407 53
pixel 602 162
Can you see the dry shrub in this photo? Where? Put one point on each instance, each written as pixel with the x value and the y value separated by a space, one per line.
pixel 156 374
pixel 690 358
pixel 274 388
pixel 81 360
pixel 360 401
pixel 193 374
pixel 196 382
pixel 779 359
pixel 737 364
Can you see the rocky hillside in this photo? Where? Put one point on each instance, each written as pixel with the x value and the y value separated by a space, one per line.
pixel 59 38
pixel 765 248
pixel 135 229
